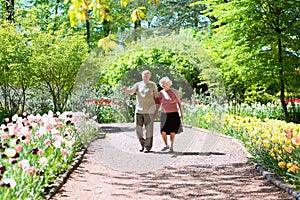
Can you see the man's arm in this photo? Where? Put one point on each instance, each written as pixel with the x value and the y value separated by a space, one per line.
pixel 158 104
pixel 129 91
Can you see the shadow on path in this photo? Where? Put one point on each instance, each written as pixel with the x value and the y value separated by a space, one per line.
pixel 234 181
pixel 177 153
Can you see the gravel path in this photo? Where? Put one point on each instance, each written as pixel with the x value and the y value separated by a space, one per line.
pixel 204 166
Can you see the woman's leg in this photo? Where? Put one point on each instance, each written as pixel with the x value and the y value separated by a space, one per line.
pixel 164 136
pixel 172 137
pixel 165 139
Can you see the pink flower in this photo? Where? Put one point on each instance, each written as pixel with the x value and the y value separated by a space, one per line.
pixel 59 124
pixel 64 151
pixel 296 140
pixel 31 170
pixel 47 142
pixel 289 133
pixel 40 152
pixel 19 148
pixel 48 127
pixel 38 134
pixel 4 136
pixel 24 164
pixel 27 135
pixel 69 130
pixel 27 141
pixel 55 132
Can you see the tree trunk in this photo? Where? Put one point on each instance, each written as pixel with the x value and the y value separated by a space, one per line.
pixel 281 79
pixel 10 4
pixel 106 28
pixel 137 25
pixel 88 34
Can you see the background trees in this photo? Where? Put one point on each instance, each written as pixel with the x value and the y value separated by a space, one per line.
pixel 38 64
pixel 256 47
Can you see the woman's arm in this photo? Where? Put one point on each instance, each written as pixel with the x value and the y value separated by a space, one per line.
pixel 178 101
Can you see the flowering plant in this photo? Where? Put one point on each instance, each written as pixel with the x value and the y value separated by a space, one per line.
pixel 34 149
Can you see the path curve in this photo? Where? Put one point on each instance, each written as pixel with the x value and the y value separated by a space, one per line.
pixel 204 166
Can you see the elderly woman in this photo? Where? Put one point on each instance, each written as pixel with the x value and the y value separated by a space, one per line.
pixel 170 119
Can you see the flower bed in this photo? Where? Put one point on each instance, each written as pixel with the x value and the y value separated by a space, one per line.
pixel 274 144
pixel 35 150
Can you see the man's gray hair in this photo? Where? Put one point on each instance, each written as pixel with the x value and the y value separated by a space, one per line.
pixel 146 72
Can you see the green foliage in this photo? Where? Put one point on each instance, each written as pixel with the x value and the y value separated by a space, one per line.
pixel 161 62
pixel 254 44
pixel 15 75
pixel 55 61
pixel 37 66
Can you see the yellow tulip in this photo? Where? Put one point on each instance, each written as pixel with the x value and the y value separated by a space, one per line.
pixel 282 164
pixel 289 165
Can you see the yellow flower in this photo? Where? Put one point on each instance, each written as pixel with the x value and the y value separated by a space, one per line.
pixel 274 140
pixel 266 144
pixel 289 165
pixel 288 142
pixel 273 155
pixel 282 164
pixel 294 168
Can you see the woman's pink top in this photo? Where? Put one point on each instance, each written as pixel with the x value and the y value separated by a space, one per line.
pixel 169 100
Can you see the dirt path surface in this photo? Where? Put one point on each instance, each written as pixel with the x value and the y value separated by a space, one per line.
pixel 204 166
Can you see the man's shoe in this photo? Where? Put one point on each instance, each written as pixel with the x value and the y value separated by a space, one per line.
pixel 171 150
pixel 142 149
pixel 147 150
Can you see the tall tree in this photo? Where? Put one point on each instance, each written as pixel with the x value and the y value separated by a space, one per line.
pixel 257 38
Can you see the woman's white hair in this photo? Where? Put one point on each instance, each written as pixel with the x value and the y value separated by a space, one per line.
pixel 165 81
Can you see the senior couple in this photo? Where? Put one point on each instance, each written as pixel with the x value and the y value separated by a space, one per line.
pixel 148 103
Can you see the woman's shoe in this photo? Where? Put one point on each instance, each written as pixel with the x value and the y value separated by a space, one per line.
pixel 165 148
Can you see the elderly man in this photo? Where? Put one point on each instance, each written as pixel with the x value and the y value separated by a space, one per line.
pixel 146 97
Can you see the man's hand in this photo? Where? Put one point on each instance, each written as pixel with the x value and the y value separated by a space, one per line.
pixel 123 89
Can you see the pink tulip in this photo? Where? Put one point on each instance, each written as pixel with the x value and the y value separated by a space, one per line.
pixel 47 142
pixel 19 148
pixel 296 140
pixel 64 151
pixel 59 124
pixel 24 164
pixel 41 152
pixel 27 141
pixel 4 136
pixel 31 170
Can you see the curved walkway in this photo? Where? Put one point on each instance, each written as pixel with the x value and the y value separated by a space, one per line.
pixel 204 166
